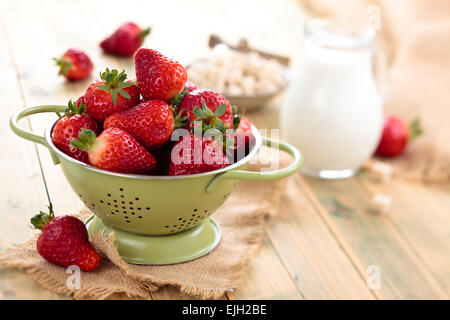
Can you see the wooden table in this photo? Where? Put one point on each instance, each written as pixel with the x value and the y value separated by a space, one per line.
pixel 323 244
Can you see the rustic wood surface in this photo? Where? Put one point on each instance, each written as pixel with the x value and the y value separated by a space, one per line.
pixel 324 240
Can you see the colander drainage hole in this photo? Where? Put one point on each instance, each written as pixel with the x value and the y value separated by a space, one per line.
pixel 140 217
pixel 121 189
pixel 180 219
pixel 166 226
pixel 112 212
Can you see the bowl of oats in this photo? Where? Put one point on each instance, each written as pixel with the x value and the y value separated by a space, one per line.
pixel 247 80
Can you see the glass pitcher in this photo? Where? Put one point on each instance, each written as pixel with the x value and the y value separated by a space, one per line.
pixel 333 108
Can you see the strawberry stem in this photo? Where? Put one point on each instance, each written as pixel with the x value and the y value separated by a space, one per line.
pixel 63 64
pixel 415 129
pixel 40 220
pixel 144 33
pixel 114 83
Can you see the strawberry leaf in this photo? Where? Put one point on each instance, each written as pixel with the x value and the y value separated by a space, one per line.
pixel 124 94
pixel 220 110
pixel 114 96
pixel 40 220
pixel 199 113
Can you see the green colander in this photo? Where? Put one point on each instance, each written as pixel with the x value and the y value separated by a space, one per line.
pixel 155 219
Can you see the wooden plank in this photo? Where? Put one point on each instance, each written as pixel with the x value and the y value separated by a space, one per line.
pixel 22 191
pixel 265 277
pixel 371 239
pixel 421 220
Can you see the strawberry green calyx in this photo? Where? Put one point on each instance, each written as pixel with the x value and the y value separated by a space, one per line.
pixel 210 119
pixel 144 33
pixel 415 129
pixel 86 139
pixel 63 64
pixel 176 101
pixel 115 83
pixel 236 117
pixel 211 124
pixel 40 220
pixel 180 121
pixel 72 109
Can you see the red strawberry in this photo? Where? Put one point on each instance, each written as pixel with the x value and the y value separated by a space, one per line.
pixel 69 126
pixel 158 77
pixel 194 154
pixel 115 150
pixel 125 40
pixel 191 86
pixel 64 241
pixel 80 101
pixel 244 138
pixel 151 122
pixel 111 95
pixel 162 156
pixel 212 100
pixel 396 135
pixel 74 65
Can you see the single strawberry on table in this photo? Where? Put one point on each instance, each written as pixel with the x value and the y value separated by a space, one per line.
pixel 115 150
pixel 158 77
pixel 396 135
pixel 151 122
pixel 125 40
pixel 194 154
pixel 74 65
pixel 69 126
pixel 212 100
pixel 113 94
pixel 64 241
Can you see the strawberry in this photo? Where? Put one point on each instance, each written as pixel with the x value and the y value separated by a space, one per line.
pixel 151 122
pixel 64 241
pixel 212 100
pixel 162 156
pixel 396 135
pixel 244 138
pixel 74 65
pixel 80 101
pixel 158 77
pixel 111 95
pixel 115 150
pixel 69 126
pixel 125 40
pixel 191 86
pixel 194 154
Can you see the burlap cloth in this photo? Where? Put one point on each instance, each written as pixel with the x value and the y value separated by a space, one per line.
pixel 415 34
pixel 241 218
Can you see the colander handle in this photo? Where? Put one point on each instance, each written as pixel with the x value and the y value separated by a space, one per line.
pixel 14 124
pixel 264 176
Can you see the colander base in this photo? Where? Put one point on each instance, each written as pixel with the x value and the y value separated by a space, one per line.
pixel 165 249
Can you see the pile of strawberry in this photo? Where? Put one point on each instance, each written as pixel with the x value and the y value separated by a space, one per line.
pixel 159 124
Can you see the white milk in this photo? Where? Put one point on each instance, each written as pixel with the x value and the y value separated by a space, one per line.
pixel 332 110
